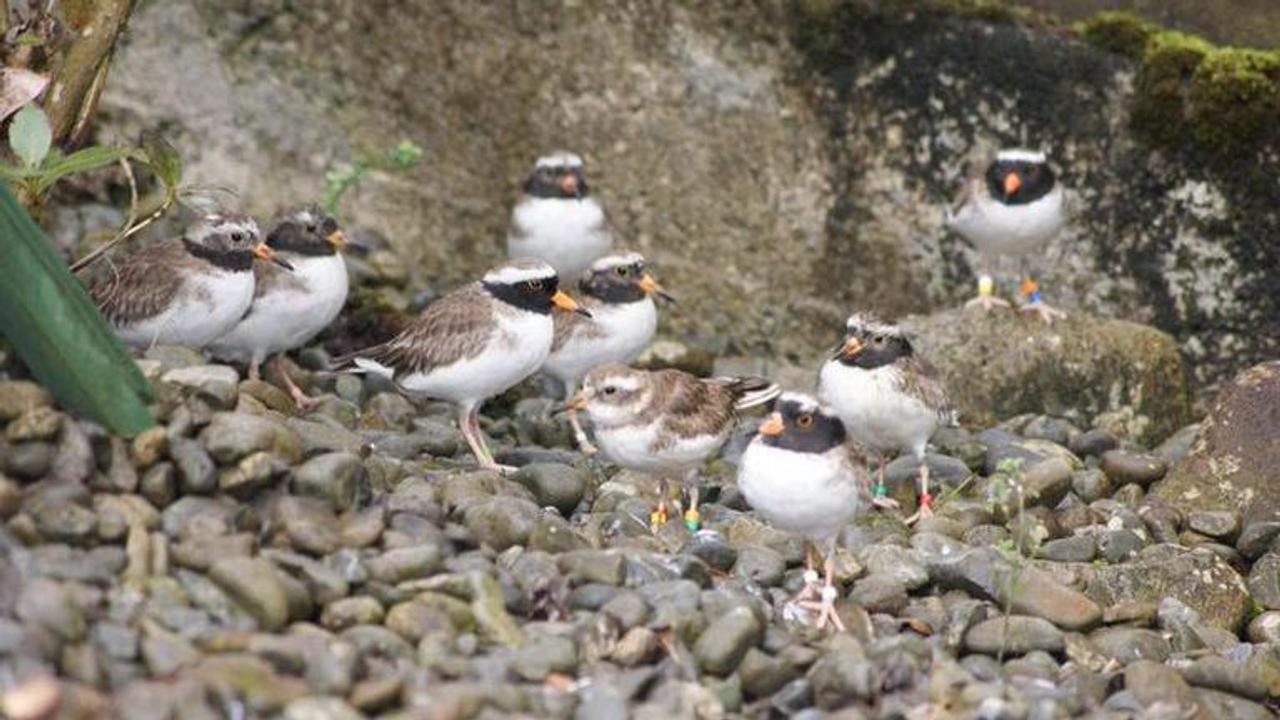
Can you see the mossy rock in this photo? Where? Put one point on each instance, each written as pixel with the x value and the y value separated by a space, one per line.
pixel 998 365
pixel 1199 578
pixel 1235 461
pixel 1118 32
pixel 1234 99
pixel 1168 63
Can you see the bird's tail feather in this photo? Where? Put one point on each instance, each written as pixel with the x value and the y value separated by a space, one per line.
pixel 752 391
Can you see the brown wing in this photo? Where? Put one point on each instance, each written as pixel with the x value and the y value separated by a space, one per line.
pixel 571 325
pixel 690 406
pixel 270 276
pixel 142 285
pixel 455 327
pixel 918 379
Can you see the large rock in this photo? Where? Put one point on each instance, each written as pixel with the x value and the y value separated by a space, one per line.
pixel 998 365
pixel 1235 462
pixel 794 141
pixel 1199 578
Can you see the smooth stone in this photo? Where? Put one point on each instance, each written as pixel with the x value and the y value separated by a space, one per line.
pixel 627 608
pixel 1054 430
pixel 1125 467
pixel 1046 483
pixel 553 485
pixel 64 521
pixel 51 606
pixel 986 573
pixel 637 646
pixel 501 522
pixel 197 473
pixel 320 434
pixel 880 593
pixel 219 384
pixel 1178 445
pixel 1118 546
pixel 350 612
pixel 28 460
pixel 897 562
pixel 1127 645
pixel 252 473
pixel 330 476
pixel 320 708
pixel 1079 548
pixel 1152 682
pixel 1218 524
pixel 544 654
pixel 1092 443
pixel 1219 673
pixel 230 437
pixel 310 524
pixel 762 674
pixel 1264 581
pixel 254 583
pixel 38 423
pixel 1257 538
pixel 1090 484
pixel 1265 628
pixel 1017 634
pixel 607 567
pixel 726 640
pixel 19 396
pixel 712 548
pixel 842 676
pixel 760 564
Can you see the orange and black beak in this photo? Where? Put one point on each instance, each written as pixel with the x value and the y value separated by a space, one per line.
pixel 264 252
pixel 568 304
pixel 772 425
pixel 651 287
pixel 849 349
pixel 577 402
pixel 569 185
pixel 1012 183
pixel 338 240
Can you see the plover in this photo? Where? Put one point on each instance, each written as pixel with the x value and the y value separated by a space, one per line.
pixel 1013 209
pixel 557 220
pixel 801 475
pixel 618 291
pixel 188 291
pixel 474 343
pixel 665 422
pixel 889 399
pixel 290 308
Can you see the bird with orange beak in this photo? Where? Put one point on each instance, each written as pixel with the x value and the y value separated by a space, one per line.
pixel 291 308
pixel 1012 210
pixel 188 291
pixel 475 343
pixel 618 291
pixel 889 399
pixel 557 220
pixel 801 475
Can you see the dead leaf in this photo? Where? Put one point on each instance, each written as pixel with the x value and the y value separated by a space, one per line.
pixel 19 87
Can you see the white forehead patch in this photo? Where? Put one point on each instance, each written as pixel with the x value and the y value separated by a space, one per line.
pixel 1020 155
pixel 305 216
pixel 628 382
pixel 221 223
pixel 867 322
pixel 518 271
pixel 559 160
pixel 806 402
pixel 609 262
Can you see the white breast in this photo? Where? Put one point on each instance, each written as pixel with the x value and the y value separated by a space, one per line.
pixel 517 347
pixel 289 315
pixel 568 234
pixel 206 306
pixel 811 494
pixel 628 329
pixel 874 410
pixel 1000 229
pixel 632 446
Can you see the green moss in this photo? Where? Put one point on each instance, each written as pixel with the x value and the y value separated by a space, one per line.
pixel 1234 100
pixel 1168 63
pixel 1118 32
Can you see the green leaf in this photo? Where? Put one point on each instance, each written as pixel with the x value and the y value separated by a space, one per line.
pixel 56 167
pixel 30 135
pixel 56 330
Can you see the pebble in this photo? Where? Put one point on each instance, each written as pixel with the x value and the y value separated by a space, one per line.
pixel 38 423
pixel 1092 443
pixel 1141 469
pixel 726 640
pixel 1016 634
pixel 330 476
pixel 759 564
pixel 501 522
pixel 19 396
pixel 255 584
pixel 554 485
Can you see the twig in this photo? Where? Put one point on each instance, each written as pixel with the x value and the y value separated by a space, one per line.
pixel 132 225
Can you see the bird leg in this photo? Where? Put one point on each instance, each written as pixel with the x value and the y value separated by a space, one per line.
pixel 793 610
pixel 880 493
pixel 926 499
pixel 659 516
pixel 469 423
pixel 692 518
pixel 301 399
pixel 987 299
pixel 255 368
pixel 826 607
pixel 1034 304
pixel 580 435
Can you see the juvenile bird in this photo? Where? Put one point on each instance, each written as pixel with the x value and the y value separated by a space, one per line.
pixel 474 343
pixel 665 422
pixel 618 291
pixel 186 291
pixel 1013 209
pixel 889 399
pixel 290 308
pixel 801 475
pixel 557 220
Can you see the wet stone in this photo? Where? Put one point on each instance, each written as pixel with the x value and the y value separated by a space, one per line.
pixel 1141 469
pixel 1092 443
pixel 1218 524
pixel 759 564
pixel 330 476
pixel 1016 634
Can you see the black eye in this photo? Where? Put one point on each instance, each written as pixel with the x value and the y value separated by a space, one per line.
pixel 237 237
pixel 533 286
pixel 622 271
pixel 804 420
pixel 610 390
pixel 879 340
pixel 311 227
